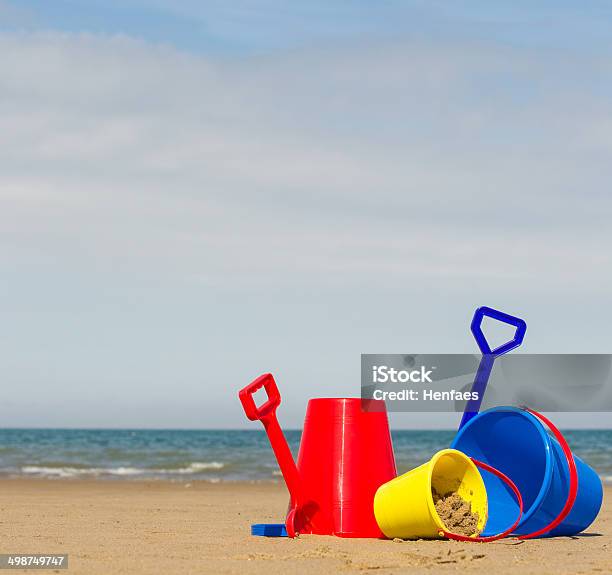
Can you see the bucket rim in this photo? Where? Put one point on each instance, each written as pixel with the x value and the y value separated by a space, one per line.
pixel 347 399
pixel 351 403
pixel 548 471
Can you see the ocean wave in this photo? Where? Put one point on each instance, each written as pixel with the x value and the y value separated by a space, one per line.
pixel 199 466
pixel 64 472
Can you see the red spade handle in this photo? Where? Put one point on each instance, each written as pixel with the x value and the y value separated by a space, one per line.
pixel 253 412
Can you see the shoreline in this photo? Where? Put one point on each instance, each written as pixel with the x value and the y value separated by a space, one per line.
pixel 278 482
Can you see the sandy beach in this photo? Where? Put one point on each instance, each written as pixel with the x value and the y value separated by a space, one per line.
pixel 164 527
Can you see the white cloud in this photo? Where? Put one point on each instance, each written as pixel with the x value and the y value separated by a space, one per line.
pixel 444 157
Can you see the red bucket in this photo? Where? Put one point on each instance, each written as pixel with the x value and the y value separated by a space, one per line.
pixel 345 456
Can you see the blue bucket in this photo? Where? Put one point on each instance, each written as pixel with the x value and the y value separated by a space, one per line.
pixel 517 444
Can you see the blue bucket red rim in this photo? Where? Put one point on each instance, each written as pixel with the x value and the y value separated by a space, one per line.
pixel 544 436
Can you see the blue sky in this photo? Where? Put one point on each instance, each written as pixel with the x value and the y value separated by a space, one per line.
pixel 244 27
pixel 194 193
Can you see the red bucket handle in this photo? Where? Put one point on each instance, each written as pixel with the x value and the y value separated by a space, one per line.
pixel 569 502
pixel 519 499
pixel 573 487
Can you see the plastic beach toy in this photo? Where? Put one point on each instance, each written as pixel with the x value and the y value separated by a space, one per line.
pixel 269 529
pixel 488 355
pixel 345 456
pixel 562 495
pixel 404 507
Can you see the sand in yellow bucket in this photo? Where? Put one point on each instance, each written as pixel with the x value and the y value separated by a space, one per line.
pixel 404 507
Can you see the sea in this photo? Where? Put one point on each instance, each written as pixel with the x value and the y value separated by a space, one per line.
pixel 210 455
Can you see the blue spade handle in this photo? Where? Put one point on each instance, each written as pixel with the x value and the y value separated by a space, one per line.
pixel 488 355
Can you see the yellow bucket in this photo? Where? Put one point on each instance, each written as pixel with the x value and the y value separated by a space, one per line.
pixel 404 507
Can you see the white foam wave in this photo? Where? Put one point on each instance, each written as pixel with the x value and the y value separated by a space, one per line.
pixel 50 471
pixel 195 467
pixel 201 465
